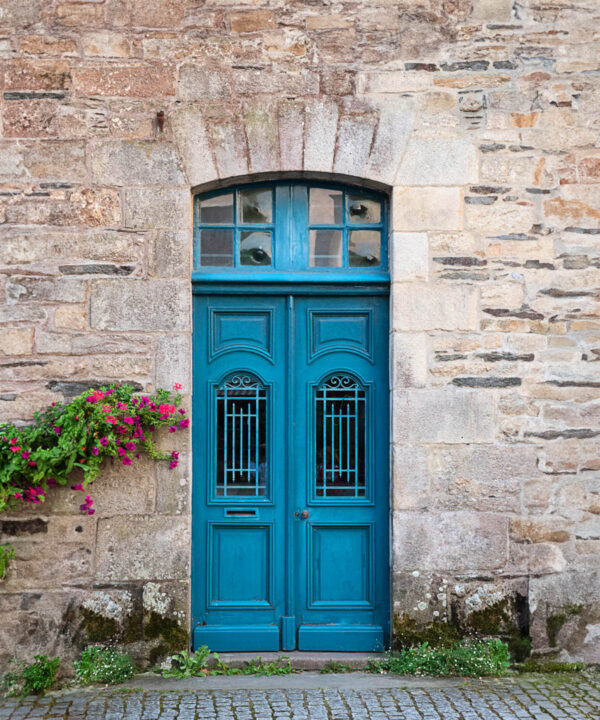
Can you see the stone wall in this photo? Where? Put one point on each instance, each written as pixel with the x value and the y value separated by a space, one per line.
pixel 482 115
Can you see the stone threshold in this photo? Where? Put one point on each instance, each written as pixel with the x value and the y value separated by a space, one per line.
pixel 301 660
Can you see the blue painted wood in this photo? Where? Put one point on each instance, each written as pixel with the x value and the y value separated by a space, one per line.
pixel 308 347
pixel 237 638
pixel 255 560
pixel 341 638
pixel 342 546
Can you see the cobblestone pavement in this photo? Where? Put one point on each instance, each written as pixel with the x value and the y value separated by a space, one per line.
pixel 540 698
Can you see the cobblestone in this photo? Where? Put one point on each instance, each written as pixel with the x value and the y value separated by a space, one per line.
pixel 524 698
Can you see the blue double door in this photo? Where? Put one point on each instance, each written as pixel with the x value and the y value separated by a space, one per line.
pixel 291 482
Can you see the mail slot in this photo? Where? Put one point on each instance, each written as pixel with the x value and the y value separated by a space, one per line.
pixel 241 512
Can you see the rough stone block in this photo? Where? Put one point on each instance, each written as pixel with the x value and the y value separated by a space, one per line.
pixel 24 288
pixel 193 145
pixel 455 541
pixel 427 208
pixel 37 75
pixel 410 256
pixel 393 81
pixel 409 359
pixel 170 253
pixel 16 341
pixel 447 415
pixel 20 13
pixel 248 21
pixel 396 119
pixel 151 208
pixel 157 14
pixel 136 163
pixel 125 80
pixel 410 489
pixel 355 134
pixel 260 121
pixel 173 488
pixel 438 161
pixel 142 548
pixel 157 305
pixel 105 44
pixel 173 361
pixel 492 11
pixel 229 144
pixel 291 134
pixel 197 82
pixel 432 306
pixel 61 160
pixel 320 129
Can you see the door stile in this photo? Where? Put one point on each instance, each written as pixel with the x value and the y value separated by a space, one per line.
pixel 288 622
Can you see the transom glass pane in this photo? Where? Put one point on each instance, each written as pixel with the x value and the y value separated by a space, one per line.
pixel 363 210
pixel 326 207
pixel 241 437
pixel 255 248
pixel 217 210
pixel 216 247
pixel 326 248
pixel 256 206
pixel 340 438
pixel 364 249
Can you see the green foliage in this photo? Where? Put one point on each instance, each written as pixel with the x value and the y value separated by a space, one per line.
pixel 7 553
pixel 184 665
pixel 32 679
pixel 109 422
pixel 331 666
pixel 466 658
pixel 105 666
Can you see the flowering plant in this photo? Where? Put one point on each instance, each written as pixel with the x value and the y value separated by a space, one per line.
pixel 111 421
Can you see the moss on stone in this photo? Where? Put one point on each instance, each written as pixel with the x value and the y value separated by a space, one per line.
pixel 173 636
pixel 408 633
pixel 499 620
pixel 157 653
pixel 133 630
pixel 554 623
pixel 98 628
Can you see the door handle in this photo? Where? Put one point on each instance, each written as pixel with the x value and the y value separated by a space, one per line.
pixel 304 514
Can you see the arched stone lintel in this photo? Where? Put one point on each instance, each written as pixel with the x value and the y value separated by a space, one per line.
pixel 307 138
pixel 291 175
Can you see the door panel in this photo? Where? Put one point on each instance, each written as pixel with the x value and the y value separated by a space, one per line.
pixel 341 410
pixel 239 472
pixel 290 535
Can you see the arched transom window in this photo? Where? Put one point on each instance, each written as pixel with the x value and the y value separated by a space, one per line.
pixel 291 227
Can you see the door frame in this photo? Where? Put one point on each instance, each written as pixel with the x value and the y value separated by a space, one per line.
pixel 300 287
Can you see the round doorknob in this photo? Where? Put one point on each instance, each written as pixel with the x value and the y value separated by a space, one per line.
pixel 304 514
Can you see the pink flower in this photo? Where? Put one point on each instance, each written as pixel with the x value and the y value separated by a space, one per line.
pixel 79 486
pixel 172 429
pixel 177 386
pixel 94 451
pixel 106 408
pixel 174 454
pixel 57 429
pixel 104 441
pixel 110 419
pixel 91 511
pixel 126 460
pixel 166 409
pixel 15 448
pixel 128 420
pixel 184 423
pixel 173 464
pixel 18 496
pixel 181 411
pixel 32 463
pixel 25 454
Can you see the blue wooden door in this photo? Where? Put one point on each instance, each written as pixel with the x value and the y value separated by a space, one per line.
pixel 341 472
pixel 290 535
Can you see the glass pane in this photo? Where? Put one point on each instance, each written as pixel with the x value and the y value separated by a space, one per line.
pixel 255 248
pixel 216 247
pixel 364 248
pixel 217 210
pixel 326 207
pixel 256 206
pixel 363 210
pixel 326 248
pixel 241 436
pixel 340 438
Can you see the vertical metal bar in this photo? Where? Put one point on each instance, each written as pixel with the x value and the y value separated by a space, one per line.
pixel 339 448
pixel 348 440
pixel 233 442
pixel 355 438
pixel 257 434
pixel 226 447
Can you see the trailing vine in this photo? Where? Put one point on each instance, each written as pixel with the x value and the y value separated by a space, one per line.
pixel 113 421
